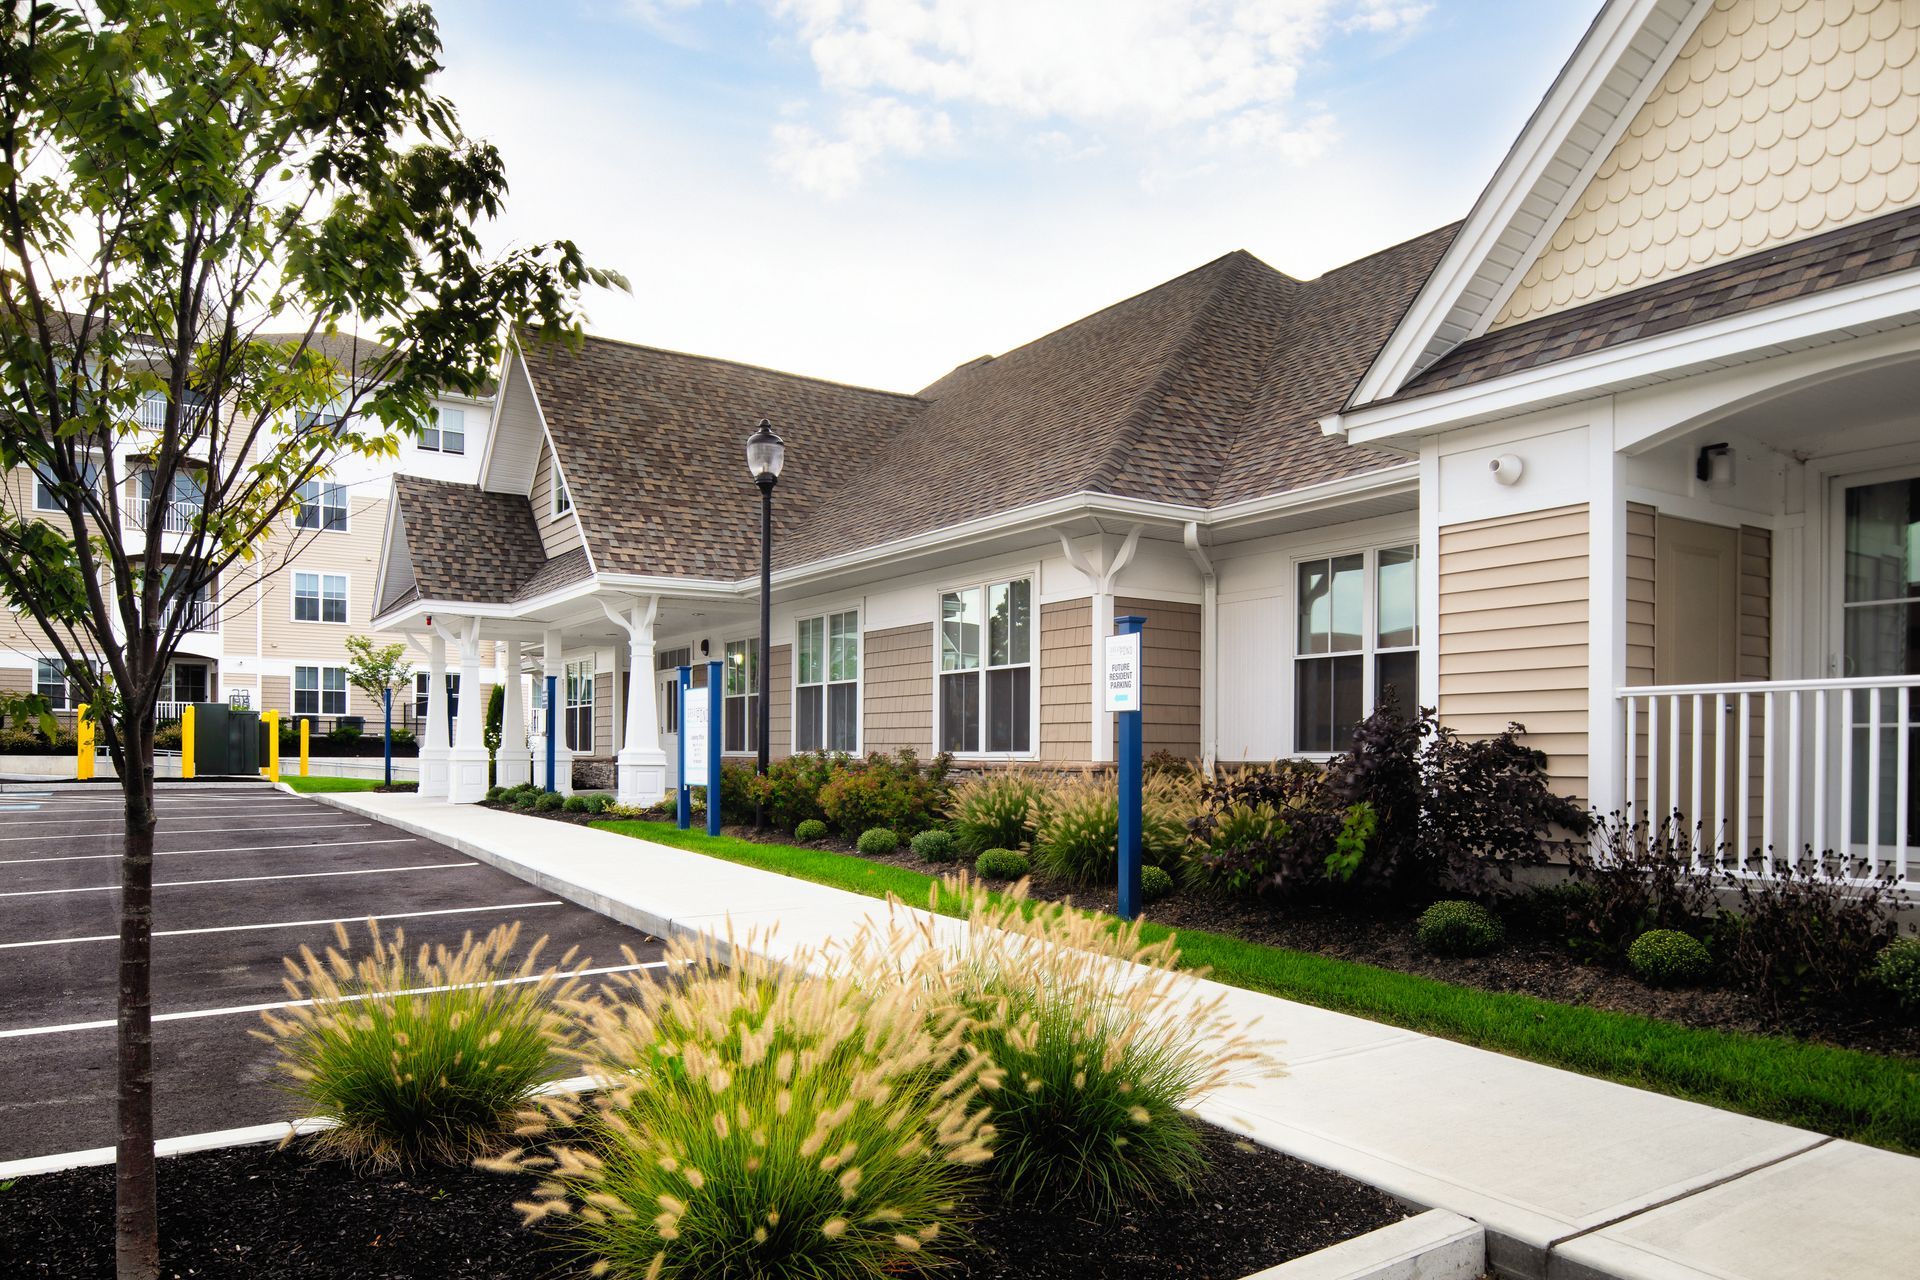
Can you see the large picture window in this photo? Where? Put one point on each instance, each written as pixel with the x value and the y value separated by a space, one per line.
pixel 986 669
pixel 319 691
pixel 322 506
pixel 741 696
pixel 1357 642
pixel 826 694
pixel 579 684
pixel 319 597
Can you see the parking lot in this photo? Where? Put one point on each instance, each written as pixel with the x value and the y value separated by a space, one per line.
pixel 244 876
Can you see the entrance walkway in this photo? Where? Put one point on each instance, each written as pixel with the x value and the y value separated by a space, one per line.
pixel 1571 1177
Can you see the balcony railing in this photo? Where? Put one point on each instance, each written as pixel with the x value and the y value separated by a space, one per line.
pixel 1818 774
pixel 180 514
pixel 200 613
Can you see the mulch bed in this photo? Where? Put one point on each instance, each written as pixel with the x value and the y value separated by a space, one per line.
pixel 248 1212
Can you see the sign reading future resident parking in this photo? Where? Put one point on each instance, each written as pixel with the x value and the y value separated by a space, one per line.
pixel 1123 672
pixel 696 723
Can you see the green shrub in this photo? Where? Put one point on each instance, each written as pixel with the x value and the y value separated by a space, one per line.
pixel 1001 864
pixel 523 799
pixel 167 737
pixel 937 846
pixel 1079 837
pixel 1453 927
pixel 766 1124
pixel 1155 883
pixel 996 811
pixel 1669 958
pixel 341 733
pixel 895 792
pixel 598 802
pixel 548 802
pixel 402 737
pixel 436 1078
pixel 737 783
pixel 790 790
pixel 809 830
pixel 577 804
pixel 1897 972
pixel 494 793
pixel 877 842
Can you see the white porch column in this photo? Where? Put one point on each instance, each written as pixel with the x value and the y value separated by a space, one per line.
pixel 433 746
pixel 467 762
pixel 514 763
pixel 552 663
pixel 642 770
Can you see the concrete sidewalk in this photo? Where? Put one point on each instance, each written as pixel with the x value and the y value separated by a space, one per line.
pixel 1571 1177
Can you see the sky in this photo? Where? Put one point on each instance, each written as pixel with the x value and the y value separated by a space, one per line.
pixel 875 191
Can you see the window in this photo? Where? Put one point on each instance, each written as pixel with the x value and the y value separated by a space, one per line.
pixel 421 686
pixel 562 500
pixel 580 705
pixel 322 506
pixel 741 696
pixel 986 669
pixel 319 691
pixel 183 505
pixel 1357 637
pixel 50 682
pixel 185 682
pixel 826 699
pixel 670 661
pixel 448 434
pixel 315 419
pixel 319 597
pixel 46 487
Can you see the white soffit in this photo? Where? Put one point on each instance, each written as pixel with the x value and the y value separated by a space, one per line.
pixel 1618 62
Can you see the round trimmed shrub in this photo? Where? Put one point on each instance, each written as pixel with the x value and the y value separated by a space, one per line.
pixel 599 802
pixel 577 804
pixel 1001 864
pixel 809 830
pixel 494 793
pixel 1155 883
pixel 937 846
pixel 877 841
pixel 1896 972
pixel 1669 958
pixel 1455 927
pixel 548 801
pixel 523 799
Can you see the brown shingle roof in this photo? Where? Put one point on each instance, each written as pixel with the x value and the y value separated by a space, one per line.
pixel 468 544
pixel 1876 247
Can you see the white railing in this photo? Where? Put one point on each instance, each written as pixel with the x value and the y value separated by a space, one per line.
pixel 179 515
pixel 1766 774
pixel 200 613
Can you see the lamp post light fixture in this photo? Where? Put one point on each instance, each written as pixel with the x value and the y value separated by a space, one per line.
pixel 766 454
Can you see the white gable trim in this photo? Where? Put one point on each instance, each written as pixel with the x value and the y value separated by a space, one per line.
pixel 387 542
pixel 1618 63
pixel 508 358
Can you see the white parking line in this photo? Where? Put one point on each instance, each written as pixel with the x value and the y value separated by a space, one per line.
pixel 298 875
pixel 193 831
pixel 218 815
pixel 290 924
pixel 21 1032
pixel 106 813
pixel 245 848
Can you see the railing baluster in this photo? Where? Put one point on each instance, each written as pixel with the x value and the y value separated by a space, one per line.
pixel 1793 777
pixel 1632 772
pixel 1844 845
pixel 1873 782
pixel 1820 783
pixel 1673 754
pixel 1902 785
pixel 1697 816
pixel 1767 793
pixel 1745 765
pixel 1719 774
pixel 1653 765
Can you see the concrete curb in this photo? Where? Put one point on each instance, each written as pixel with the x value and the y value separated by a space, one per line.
pixel 1435 1245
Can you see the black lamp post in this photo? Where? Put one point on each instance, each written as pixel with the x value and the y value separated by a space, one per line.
pixel 766 454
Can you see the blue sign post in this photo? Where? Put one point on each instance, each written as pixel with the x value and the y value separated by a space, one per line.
pixel 699 737
pixel 386 729
pixel 1123 689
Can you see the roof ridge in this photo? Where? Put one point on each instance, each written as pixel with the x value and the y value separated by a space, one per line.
pixel 751 367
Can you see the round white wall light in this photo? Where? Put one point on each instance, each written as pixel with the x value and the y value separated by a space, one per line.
pixel 1506 469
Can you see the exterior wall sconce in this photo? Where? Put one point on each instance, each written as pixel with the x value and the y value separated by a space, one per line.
pixel 1506 469
pixel 1713 466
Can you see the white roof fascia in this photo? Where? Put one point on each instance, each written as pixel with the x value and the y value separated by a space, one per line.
pixel 1566 138
pixel 1832 315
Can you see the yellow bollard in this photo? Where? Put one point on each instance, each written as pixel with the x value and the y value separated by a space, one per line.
pixel 272 769
pixel 186 741
pixel 83 743
pixel 305 724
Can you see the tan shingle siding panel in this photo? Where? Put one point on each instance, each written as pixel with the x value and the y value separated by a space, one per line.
pixel 603 693
pixel 898 696
pixel 1170 705
pixel 780 709
pixel 1534 622
pixel 1640 595
pixel 1756 603
pixel 558 533
pixel 1066 674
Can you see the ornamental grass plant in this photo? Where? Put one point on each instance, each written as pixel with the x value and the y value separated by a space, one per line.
pixel 1079 832
pixel 420 1059
pixel 762 1122
pixel 1000 810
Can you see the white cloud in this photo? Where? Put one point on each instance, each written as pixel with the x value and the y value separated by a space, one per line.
pixel 869 129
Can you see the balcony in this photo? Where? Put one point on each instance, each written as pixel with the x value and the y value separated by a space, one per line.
pixel 201 613
pixel 1818 774
pixel 179 516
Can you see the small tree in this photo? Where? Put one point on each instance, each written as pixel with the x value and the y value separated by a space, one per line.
pixel 198 200
pixel 377 670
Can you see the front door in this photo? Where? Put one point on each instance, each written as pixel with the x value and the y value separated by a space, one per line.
pixel 1879 581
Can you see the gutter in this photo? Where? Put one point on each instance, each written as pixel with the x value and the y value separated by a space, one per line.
pixel 1209 646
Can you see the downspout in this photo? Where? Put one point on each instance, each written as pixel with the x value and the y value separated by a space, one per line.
pixel 1209 646
pixel 1100 748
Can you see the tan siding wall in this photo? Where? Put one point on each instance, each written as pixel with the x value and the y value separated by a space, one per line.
pixel 1513 633
pixel 1640 619
pixel 779 680
pixel 1756 603
pixel 603 690
pixel 1170 707
pixel 899 689
pixel 1775 122
pixel 1066 672
pixel 558 533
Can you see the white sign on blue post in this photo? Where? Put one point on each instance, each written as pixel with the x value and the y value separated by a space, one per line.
pixel 696 728
pixel 1123 672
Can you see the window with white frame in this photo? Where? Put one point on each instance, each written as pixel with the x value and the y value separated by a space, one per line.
pixel 1357 642
pixel 826 685
pixel 580 705
pixel 986 669
pixel 46 488
pixel 670 661
pixel 323 506
pixel 422 686
pixel 319 597
pixel 562 500
pixel 740 693
pixel 319 691
pixel 448 434
pixel 51 681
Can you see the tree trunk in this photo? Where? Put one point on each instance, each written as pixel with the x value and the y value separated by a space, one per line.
pixel 136 1192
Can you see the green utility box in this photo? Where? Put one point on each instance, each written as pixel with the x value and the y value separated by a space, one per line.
pixel 226 740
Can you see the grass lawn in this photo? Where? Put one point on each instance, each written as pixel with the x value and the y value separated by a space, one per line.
pixel 311 786
pixel 1862 1096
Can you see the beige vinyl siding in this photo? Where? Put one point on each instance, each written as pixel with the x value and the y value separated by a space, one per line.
pixel 558 533
pixel 897 690
pixel 603 743
pixel 1640 618
pixel 1756 603
pixel 1170 662
pixel 1066 674
pixel 779 681
pixel 1514 633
